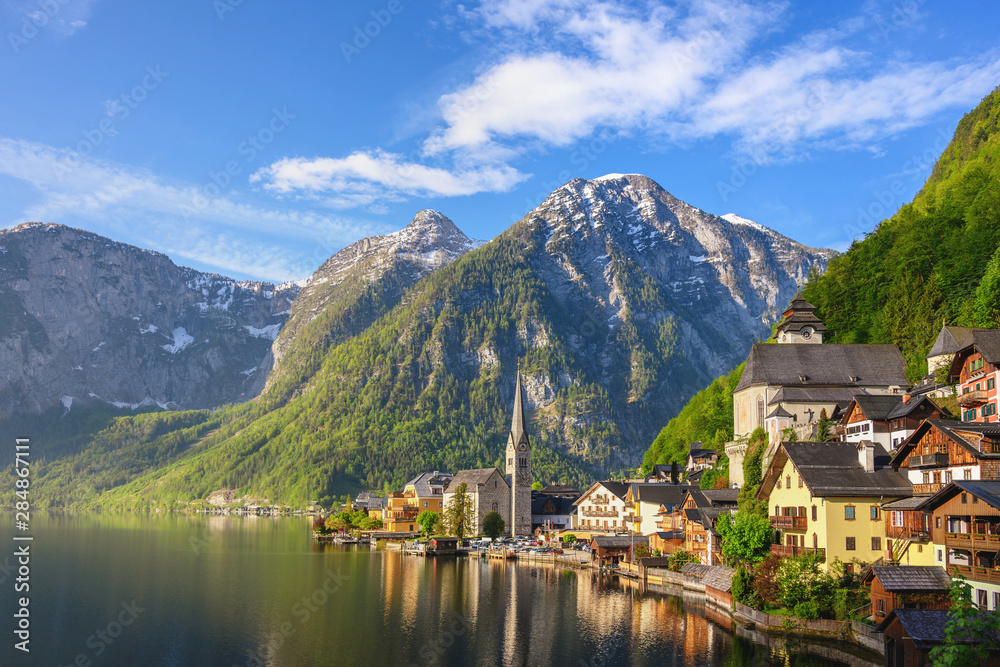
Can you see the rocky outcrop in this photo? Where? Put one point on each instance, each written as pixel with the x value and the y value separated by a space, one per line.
pixel 86 319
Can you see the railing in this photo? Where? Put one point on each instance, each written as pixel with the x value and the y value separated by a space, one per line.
pixel 785 551
pixel 789 522
pixel 610 513
pixel 973 398
pixel 928 461
pixel 980 540
pixel 927 488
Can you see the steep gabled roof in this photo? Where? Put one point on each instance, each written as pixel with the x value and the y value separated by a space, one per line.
pixel 720 578
pixel 423 483
pixel 618 541
pixel 701 452
pixel 824 365
pixel 904 409
pixel 472 478
pixel 833 469
pixel 950 340
pixel 659 494
pixel 926 627
pixel 986 491
pixel 984 341
pixel 877 408
pixel 619 489
pixel 949 428
pixel 722 497
pixel 911 577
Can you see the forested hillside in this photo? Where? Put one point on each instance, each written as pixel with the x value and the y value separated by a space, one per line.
pixel 936 260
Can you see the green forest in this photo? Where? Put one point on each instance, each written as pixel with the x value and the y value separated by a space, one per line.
pixel 936 261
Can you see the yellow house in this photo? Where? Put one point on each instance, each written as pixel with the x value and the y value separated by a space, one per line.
pixel 828 497
pixel 426 491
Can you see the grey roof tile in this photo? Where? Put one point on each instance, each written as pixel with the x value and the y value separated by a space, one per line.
pixel 912 577
pixel 830 365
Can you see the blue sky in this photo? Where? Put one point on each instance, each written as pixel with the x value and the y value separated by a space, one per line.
pixel 257 138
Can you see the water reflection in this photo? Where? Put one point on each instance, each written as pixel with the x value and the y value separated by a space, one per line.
pixel 233 591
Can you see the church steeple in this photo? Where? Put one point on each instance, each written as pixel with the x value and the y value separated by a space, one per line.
pixel 519 466
pixel 517 432
pixel 800 324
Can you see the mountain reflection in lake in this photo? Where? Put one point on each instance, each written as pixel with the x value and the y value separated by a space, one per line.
pixel 247 591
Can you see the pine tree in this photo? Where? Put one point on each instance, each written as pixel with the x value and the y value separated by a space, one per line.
pixel 459 513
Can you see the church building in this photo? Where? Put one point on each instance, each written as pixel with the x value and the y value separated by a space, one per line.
pixel 790 384
pixel 509 494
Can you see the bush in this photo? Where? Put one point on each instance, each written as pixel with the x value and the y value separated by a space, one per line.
pixel 808 610
pixel 765 579
pixel 743 591
pixel 800 579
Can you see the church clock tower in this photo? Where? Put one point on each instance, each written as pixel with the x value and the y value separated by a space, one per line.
pixel 519 467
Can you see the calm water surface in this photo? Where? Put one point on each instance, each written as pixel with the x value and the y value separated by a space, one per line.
pixel 195 590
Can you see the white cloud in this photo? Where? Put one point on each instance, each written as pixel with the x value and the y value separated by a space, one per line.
pixel 568 68
pixel 365 177
pixel 186 221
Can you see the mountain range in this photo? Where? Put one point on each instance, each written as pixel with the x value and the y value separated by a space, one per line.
pixel 617 300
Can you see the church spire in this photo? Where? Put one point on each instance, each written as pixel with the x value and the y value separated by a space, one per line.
pixel 517 432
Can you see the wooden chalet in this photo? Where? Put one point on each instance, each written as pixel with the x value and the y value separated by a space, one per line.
pixel 965 529
pixel 910 634
pixel 614 549
pixel 976 368
pixel 697 515
pixel 886 419
pixel 941 451
pixel 906 587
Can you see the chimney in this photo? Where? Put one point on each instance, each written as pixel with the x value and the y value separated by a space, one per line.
pixel 866 455
pixel 906 397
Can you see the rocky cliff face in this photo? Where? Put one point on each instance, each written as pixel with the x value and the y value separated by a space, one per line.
pixel 85 319
pixel 658 298
pixel 365 280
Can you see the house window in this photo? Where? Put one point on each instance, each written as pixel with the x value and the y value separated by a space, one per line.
pixel 788 481
pixel 937 522
pixel 927 478
pixel 815 541
pixel 996 600
pixel 850 544
pixel 981 598
pixel 849 513
pixel 760 411
pixel 495 507
pixel 777 511
pixel 967 474
pixel 876 544
pixel 880 605
pixel 779 482
pixel 800 481
pixel 814 513
pixel 965 498
pixel 874 513
pixel 426 504
pixel 947 477
pixel 991 383
pixel 940 555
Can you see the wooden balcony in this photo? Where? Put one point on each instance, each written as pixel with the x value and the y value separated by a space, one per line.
pixel 973 399
pixel 926 489
pixel 600 513
pixel 980 574
pixel 789 522
pixel 972 541
pixel 928 461
pixel 784 551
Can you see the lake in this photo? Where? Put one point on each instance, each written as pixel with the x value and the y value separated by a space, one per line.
pixel 178 590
